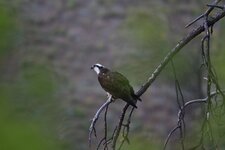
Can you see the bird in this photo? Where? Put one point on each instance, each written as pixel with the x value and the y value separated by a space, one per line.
pixel 115 84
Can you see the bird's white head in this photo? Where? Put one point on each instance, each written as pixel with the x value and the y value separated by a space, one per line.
pixel 97 67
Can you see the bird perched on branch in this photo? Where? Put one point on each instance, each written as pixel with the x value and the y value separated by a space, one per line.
pixel 115 84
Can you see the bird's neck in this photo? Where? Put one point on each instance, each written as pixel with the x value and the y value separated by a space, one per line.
pixel 104 71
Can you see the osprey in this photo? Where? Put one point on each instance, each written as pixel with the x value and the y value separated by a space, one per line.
pixel 115 84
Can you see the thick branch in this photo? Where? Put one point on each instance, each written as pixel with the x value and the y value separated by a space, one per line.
pixel 176 49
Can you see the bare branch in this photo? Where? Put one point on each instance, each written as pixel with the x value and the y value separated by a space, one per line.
pixel 176 49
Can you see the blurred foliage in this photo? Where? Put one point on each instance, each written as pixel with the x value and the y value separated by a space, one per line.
pixel 147 30
pixel 217 121
pixel 213 132
pixel 140 143
pixel 218 55
pixel 71 4
pixel 28 108
pixel 79 112
pixel 20 135
pixel 34 90
pixel 147 36
pixel 9 29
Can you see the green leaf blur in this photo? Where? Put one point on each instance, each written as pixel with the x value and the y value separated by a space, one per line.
pixel 8 30
pixel 140 143
pixel 28 106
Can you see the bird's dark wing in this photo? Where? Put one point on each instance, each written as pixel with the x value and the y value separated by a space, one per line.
pixel 118 86
pixel 119 78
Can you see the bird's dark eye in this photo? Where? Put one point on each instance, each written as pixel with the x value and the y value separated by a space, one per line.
pixel 100 67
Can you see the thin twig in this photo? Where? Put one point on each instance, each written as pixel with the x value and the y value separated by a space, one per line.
pixel 115 138
pixel 180 112
pixel 178 126
pixel 126 129
pixel 169 135
pixel 94 120
pixel 216 6
pixel 110 139
pixel 106 129
pixel 100 143
pixel 180 102
pixel 104 139
pixel 207 12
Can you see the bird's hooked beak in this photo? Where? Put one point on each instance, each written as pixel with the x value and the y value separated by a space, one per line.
pixel 92 67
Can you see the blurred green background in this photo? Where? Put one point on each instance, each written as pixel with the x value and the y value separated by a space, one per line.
pixel 48 93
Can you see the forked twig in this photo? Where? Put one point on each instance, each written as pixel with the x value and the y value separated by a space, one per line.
pixel 126 129
pixel 180 114
pixel 115 138
pixel 180 102
pixel 94 120
pixel 110 140
pixel 104 139
pixel 216 6
pixel 207 12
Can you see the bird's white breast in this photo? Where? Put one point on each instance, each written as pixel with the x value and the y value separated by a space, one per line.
pixel 97 70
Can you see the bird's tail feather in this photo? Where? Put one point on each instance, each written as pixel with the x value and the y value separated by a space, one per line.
pixel 137 97
pixel 133 105
pixel 133 101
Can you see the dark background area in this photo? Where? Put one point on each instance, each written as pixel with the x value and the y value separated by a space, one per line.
pixel 48 94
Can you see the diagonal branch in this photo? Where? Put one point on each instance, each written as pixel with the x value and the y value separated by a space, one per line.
pixel 176 49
